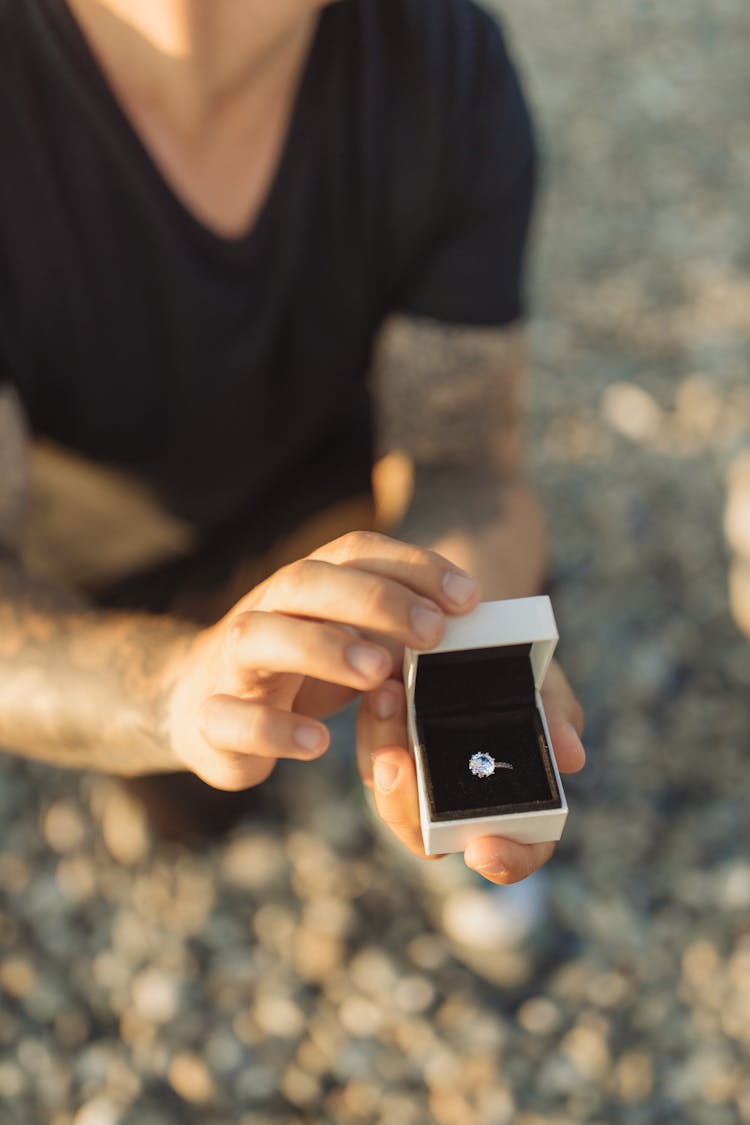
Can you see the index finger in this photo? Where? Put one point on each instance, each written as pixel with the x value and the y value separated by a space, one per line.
pixel 421 570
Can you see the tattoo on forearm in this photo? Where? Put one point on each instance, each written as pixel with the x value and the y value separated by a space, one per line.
pixel 447 500
pixel 450 394
pixel 82 688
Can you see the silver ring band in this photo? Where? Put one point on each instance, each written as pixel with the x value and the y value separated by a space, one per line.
pixel 484 765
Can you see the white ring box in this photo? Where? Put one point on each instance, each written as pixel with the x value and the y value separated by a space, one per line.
pixel 479 691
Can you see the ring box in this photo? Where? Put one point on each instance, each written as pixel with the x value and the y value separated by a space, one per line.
pixel 478 692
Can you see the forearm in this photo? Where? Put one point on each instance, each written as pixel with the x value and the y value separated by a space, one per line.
pixel 494 528
pixel 84 688
pixel 450 421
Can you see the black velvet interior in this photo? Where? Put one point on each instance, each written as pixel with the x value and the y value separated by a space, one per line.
pixel 477 677
pixel 482 699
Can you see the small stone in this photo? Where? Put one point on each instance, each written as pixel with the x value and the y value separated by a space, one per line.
pixel 355 1059
pixel 12 1081
pixel 480 1071
pixel 358 1100
pixel 539 1016
pixel 414 994
pixel 557 1077
pixel 98 1111
pixel 76 878
pixel 451 1108
pixel 137 1031
pixel 608 990
pixel 632 411
pixel 17 977
pixel 252 861
pixel 275 926
pixel 223 1052
pixel 299 1087
pixel 327 1034
pixel 427 951
pixel 360 1017
pixel 190 1078
pixel 329 915
pixel 277 1015
pixel 634 1077
pixel 33 1055
pixel 497 1105
pixel 372 971
pixel 130 938
pixel 399 1109
pixel 63 826
pixel 443 1069
pixel 316 955
pixel 125 828
pixel 53 1083
pixel 246 1029
pixel 414 1037
pixel 311 1057
pixel 699 963
pixel 110 971
pixel 155 995
pixel 586 1047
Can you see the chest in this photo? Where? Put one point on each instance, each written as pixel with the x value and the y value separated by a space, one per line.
pixel 137 337
pixel 222 167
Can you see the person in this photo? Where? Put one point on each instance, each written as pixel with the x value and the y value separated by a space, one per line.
pixel 256 255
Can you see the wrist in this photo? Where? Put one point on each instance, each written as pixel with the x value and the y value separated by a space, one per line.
pixel 186 683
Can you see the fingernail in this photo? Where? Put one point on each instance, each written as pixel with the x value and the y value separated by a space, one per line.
pixel 498 871
pixel 494 865
pixel 384 704
pixel 576 747
pixel 384 775
pixel 459 587
pixel 576 737
pixel 493 871
pixel 366 660
pixel 427 623
pixel 308 738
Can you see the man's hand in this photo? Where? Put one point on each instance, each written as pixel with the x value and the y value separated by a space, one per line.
pixel 299 645
pixel 388 770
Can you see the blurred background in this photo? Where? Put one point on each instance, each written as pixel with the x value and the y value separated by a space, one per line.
pixel 292 974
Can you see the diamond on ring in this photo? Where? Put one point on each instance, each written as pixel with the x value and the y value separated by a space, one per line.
pixel 483 764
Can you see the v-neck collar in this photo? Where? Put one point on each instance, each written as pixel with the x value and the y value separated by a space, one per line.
pixel 89 70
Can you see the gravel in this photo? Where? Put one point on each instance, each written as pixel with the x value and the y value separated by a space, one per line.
pixel 291 973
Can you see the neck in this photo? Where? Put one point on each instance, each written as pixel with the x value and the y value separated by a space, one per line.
pixel 191 56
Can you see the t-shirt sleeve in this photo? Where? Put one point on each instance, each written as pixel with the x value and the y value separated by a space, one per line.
pixel 470 268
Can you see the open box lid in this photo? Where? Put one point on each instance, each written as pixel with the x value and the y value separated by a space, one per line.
pixel 525 627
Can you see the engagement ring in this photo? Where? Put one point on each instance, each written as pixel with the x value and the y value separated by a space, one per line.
pixel 482 764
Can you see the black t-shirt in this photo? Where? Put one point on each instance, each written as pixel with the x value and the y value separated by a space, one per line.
pixel 229 374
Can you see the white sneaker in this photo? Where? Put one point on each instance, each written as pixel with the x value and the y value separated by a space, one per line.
pixel 496 931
